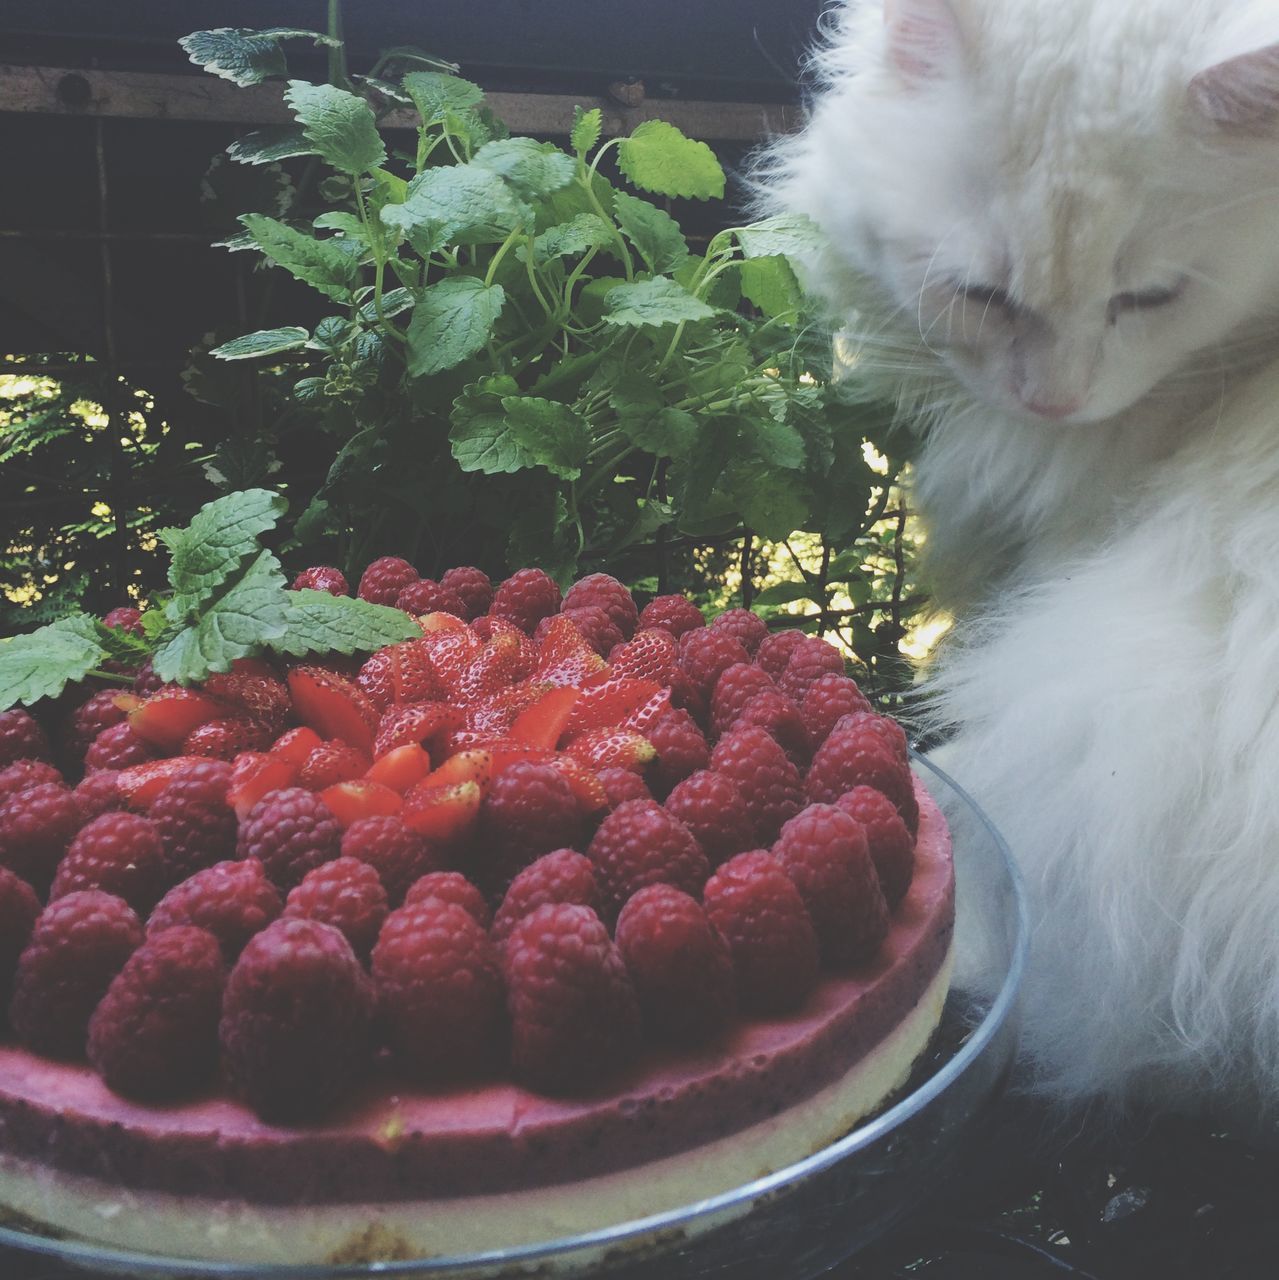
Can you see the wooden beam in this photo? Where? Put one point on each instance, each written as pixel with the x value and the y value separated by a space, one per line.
pixel 136 95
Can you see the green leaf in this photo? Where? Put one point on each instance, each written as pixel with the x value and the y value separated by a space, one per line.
pixel 790 234
pixel 652 231
pixel 265 342
pixel 436 94
pixel 775 442
pixel 123 646
pixel 43 663
pixel 579 235
pixel 657 157
pixel 534 169
pixel 773 504
pixel 451 322
pixel 669 433
pixel 653 302
pixel 394 301
pixel 339 125
pixel 542 534
pixel 339 220
pixel 244 56
pixel 317 622
pixel 331 334
pixel 587 127
pixel 785 593
pixel 480 438
pixel 271 143
pixel 455 204
pixel 771 285
pixel 549 433
pixel 326 265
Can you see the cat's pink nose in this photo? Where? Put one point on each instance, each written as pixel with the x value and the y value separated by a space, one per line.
pixel 1054 409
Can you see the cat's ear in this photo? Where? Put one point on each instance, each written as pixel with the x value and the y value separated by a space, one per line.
pixel 924 40
pixel 1241 92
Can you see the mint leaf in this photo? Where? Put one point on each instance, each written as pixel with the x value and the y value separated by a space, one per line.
pixel 533 169
pixel 326 265
pixel 657 157
pixel 653 302
pixel 451 322
pixel 43 663
pixel 244 56
pixel 580 234
pixel 271 143
pixel 435 94
pixel 652 231
pixel 773 504
pixel 776 442
pixel 668 433
pixel 550 433
pixel 317 622
pixel 265 342
pixel 587 127
pixel 121 645
pixel 454 204
pixel 791 234
pixel 393 302
pixel 770 283
pixel 339 125
pixel 480 437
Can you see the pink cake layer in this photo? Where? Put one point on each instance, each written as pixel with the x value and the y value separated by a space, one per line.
pixel 396 1142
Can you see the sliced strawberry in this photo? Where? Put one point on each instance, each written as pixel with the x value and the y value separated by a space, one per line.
pixel 139 784
pixel 566 658
pixel 431 622
pixel 169 714
pixel 494 668
pixel 296 745
pixel 604 706
pixel 612 749
pixel 543 724
pixel 253 775
pixel 399 674
pixel 648 713
pixel 426 723
pixel 497 712
pixel 651 654
pixel 505 751
pixel 401 768
pixel 475 766
pixel 526 658
pixel 257 693
pixel 226 737
pixel 442 813
pixel 451 653
pixel 332 762
pixel 351 801
pixel 127 702
pixel 334 707
pixel 588 789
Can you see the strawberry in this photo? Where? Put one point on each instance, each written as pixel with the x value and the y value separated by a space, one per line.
pixel 360 798
pixel 450 652
pixel 475 766
pixel 140 784
pixel 334 707
pixel 253 775
pixel 585 786
pixel 167 716
pixel 254 691
pixel 400 673
pixel 493 668
pixel 612 749
pixel 442 813
pixel 650 655
pixel 330 763
pixel 565 657
pixel 226 737
pixel 401 768
pixel 295 745
pixel 543 724
pixel 607 705
pixel 496 713
pixel 426 723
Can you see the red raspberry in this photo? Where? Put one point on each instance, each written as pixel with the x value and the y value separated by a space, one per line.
pixel 127 618
pixel 399 856
pixel 621 785
pixel 331 762
pixel 675 614
pixel 680 966
pixel 117 748
pixel 322 578
pixel 753 903
pixel 78 945
pixel 21 737
pixel 195 820
pixel 704 655
pixel 384 579
pixel 526 597
pixel 99 793
pixel 440 993
pixel 428 596
pixel 824 851
pixel 120 853
pixel 767 778
pixel 649 655
pixel 775 650
pixel 748 628
pixel 809 661
pixel 640 843
pixel 22 775
pixel 713 808
pixel 155 1033
pixel 574 1017
pixel 893 735
pixel 828 698
pixel 859 757
pixel 454 887
pixel 345 893
pixel 681 749
pixel 146 682
pixel 472 586
pixel 232 900
pixel 596 627
pixel 296 1020
pixel 19 911
pixel 529 810
pixel 607 593
pixel 778 715
pixel 228 736
pixel 562 876
pixel 290 832
pixel 736 686
pixel 36 826
pixel 687 696
pixel 89 719
pixel 891 848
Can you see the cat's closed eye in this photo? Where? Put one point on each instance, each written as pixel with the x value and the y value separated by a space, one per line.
pixel 1143 299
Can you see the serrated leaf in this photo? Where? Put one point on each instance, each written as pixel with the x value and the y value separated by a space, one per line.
pixel 455 204
pixel 122 646
pixel 245 56
pixel 550 433
pixel 339 125
pixel 330 333
pixel 265 342
pixel 451 321
pixel 534 169
pixel 657 157
pixel 154 623
pixel 480 437
pixel 394 301
pixel 271 143
pixel 668 433
pixel 770 284
pixel 435 94
pixel 653 302
pixel 790 234
pixel 43 663
pixel 652 231
pixel 338 220
pixel 587 127
pixel 776 443
pixel 326 265
pixel 773 504
pixel 317 622
pixel 580 234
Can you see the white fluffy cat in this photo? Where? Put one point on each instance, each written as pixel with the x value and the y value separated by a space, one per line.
pixel 1055 226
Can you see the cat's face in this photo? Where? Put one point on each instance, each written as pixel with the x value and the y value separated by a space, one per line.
pixel 1067 237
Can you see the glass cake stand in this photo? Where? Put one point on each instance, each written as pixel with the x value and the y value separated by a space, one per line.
pixel 793 1224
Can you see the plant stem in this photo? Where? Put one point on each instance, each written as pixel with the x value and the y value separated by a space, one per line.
pixel 337 53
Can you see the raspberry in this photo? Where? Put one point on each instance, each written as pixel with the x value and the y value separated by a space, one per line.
pixel 686 695
pixel 22 775
pixel 713 808
pixel 89 719
pixel 345 893
pixel 331 762
pixel 400 673
pixel 857 757
pixel 296 1020
pixel 775 650
pixel 597 628
pixel 526 597
pixel 36 826
pixel 755 906
pixel 232 900
pixel 290 832
pixel 439 986
pixel 768 780
pixel 454 887
pixel 126 618
pixel 226 737
pixel 681 967
pixel 117 748
pixel 21 737
pixel 529 810
pixel 146 682
pixel 322 578
pixel 891 848
pixel 78 945
pixel 196 822
pixel 398 855
pixel 99 793
pixel 736 686
pixel 649 655
pixel 621 785
pixel 681 749
pixel 428 596
pixel 154 1035
pixel 19 911
pixel 824 851
pixel 472 586
pixel 809 661
pixel 562 876
pixel 384 579
pixel 120 853
pixel 607 593
pixel 574 1017
pixel 640 843
pixel 704 655
pixel 827 699
pixel 893 735
pixel 747 628
pixel 778 716
pixel 675 614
